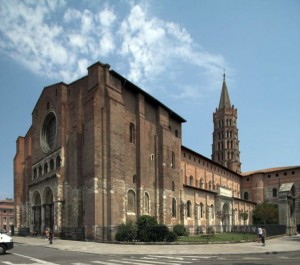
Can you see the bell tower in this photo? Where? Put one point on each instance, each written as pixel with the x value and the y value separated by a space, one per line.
pixel 225 147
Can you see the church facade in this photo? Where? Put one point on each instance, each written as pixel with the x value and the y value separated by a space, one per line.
pixel 101 151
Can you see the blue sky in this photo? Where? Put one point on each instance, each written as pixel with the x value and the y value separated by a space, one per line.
pixel 177 51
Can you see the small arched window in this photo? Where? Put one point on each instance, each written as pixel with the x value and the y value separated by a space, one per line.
pixel 274 191
pixel 147 203
pixel 209 185
pixel 173 160
pixel 188 209
pixel 173 208
pixel 51 164
pixel 191 181
pixel 40 171
pixel 246 195
pixel 134 179
pixel 212 210
pixel 201 210
pixel 173 186
pixel 58 160
pixel 201 183
pixel 176 133
pixel 131 133
pixel 131 201
pixel 45 168
pixel 34 173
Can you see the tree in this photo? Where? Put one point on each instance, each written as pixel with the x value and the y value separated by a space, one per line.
pixel 221 215
pixel 265 213
pixel 243 216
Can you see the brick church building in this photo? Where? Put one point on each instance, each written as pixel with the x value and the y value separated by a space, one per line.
pixel 101 151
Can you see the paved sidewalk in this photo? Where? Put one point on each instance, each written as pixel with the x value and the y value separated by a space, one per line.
pixel 275 245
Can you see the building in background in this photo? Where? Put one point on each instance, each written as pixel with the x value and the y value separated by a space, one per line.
pixel 279 186
pixel 7 216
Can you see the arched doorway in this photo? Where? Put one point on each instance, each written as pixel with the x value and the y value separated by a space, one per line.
pixel 226 221
pixel 37 212
pixel 48 208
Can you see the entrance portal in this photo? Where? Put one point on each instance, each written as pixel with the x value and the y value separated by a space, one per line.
pixel 37 212
pixel 48 208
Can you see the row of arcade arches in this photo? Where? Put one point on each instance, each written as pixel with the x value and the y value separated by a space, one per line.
pixel 42 210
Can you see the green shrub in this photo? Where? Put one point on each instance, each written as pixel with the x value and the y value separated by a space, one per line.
pixel 158 233
pixel 180 230
pixel 145 229
pixel 171 237
pixel 145 223
pixel 126 232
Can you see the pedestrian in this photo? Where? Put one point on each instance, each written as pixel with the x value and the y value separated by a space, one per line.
pixel 263 236
pixel 50 236
pixel 260 231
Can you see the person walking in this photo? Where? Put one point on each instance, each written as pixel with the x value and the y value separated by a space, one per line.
pixel 50 236
pixel 263 236
pixel 260 231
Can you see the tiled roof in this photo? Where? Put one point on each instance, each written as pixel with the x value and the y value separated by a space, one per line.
pixel 268 170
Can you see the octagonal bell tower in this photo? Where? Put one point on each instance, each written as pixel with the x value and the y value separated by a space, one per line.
pixel 225 147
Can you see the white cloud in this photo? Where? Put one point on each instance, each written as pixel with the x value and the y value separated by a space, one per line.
pixel 107 17
pixel 87 22
pixel 62 46
pixel 71 14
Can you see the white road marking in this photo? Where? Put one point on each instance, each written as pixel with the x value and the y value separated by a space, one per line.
pixel 156 262
pixel 36 261
pixel 170 261
pixel 105 263
pixel 166 257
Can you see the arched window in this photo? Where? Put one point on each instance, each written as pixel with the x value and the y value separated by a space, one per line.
pixel 51 164
pixel 173 160
pixel 173 186
pixel 40 171
pixel 188 209
pixel 34 173
pixel 201 210
pixel 131 133
pixel 191 181
pixel 212 210
pixel 131 201
pixel 201 183
pixel 45 168
pixel 176 133
pixel 173 208
pixel 147 203
pixel 246 195
pixel 274 193
pixel 58 160
pixel 209 185
pixel 134 179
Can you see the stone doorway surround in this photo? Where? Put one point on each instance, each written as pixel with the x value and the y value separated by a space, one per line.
pixel 287 207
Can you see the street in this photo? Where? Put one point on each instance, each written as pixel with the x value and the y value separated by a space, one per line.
pixel 23 254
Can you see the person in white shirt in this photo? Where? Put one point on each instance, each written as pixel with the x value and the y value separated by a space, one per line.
pixel 259 234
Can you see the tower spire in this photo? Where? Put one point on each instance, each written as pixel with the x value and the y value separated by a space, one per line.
pixel 225 99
